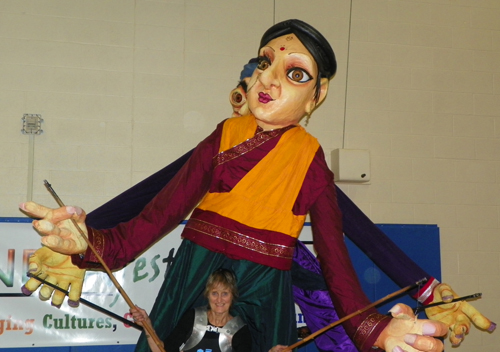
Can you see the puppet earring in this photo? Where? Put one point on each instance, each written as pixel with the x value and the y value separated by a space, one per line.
pixel 308 113
pixel 308 116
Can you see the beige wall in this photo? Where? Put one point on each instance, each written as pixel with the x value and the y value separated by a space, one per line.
pixel 125 87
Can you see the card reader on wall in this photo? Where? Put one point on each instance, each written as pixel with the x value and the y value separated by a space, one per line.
pixel 351 165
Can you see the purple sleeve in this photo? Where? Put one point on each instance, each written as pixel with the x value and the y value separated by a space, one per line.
pixel 378 247
pixel 311 295
pixel 121 244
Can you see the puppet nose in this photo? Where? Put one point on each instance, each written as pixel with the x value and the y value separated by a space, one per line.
pixel 269 78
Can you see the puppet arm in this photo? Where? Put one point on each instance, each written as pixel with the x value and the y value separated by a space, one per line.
pixel 172 203
pixel 120 242
pixel 401 333
pixel 403 270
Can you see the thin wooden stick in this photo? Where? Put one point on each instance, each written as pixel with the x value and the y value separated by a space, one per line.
pixel 146 326
pixel 347 317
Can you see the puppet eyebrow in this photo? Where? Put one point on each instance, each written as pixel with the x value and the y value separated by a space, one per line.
pixel 298 54
pixel 302 56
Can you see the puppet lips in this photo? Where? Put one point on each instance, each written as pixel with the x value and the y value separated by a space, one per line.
pixel 265 98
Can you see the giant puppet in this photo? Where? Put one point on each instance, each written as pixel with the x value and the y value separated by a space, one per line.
pixel 257 176
pixel 309 291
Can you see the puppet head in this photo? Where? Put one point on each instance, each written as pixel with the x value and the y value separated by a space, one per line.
pixel 291 79
pixel 238 96
pixel 316 46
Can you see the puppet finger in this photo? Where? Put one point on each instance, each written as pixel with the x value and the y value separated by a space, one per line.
pixel 456 340
pixel 62 245
pixel 402 311
pixel 58 296
pixel 46 227
pixel 53 241
pixel 46 290
pixel 75 292
pixel 35 263
pixel 424 343
pixel 461 326
pixel 30 286
pixel 459 329
pixel 68 212
pixel 35 210
pixel 445 292
pixel 35 269
pixel 477 318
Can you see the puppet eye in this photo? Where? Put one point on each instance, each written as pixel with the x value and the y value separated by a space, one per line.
pixel 298 75
pixel 238 97
pixel 264 63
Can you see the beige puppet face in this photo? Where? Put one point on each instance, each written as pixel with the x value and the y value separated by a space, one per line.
pixel 282 89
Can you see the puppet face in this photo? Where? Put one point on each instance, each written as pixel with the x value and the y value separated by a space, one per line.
pixel 220 298
pixel 282 89
pixel 238 100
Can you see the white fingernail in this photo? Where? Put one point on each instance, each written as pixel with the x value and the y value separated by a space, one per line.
pixel 395 310
pixel 428 329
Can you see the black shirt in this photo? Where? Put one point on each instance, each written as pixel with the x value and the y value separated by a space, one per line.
pixel 241 342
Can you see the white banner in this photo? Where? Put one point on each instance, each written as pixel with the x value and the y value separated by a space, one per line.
pixel 30 322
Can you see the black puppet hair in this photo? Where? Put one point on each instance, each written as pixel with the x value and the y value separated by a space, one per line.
pixel 243 85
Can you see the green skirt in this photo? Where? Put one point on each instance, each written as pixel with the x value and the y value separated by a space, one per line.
pixel 265 296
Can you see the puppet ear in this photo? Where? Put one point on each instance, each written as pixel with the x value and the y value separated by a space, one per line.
pixel 324 84
pixel 323 90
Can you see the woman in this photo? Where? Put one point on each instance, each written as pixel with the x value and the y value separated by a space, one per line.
pixel 207 328
pixel 252 181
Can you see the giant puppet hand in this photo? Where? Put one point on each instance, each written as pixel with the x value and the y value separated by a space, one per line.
pixel 57 269
pixel 57 230
pixel 458 315
pixel 407 333
pixel 54 265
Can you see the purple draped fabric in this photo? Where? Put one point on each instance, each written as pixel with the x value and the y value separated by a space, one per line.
pixel 316 304
pixel 130 203
pixel 377 246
